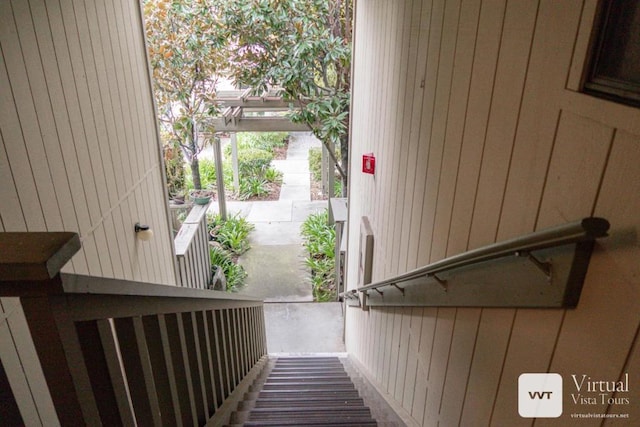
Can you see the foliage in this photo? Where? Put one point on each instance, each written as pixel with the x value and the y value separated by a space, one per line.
pixel 252 187
pixel 253 162
pixel 234 273
pixel 207 173
pixel 185 45
pixel 174 169
pixel 263 140
pixel 319 240
pixel 273 175
pixel 231 239
pixel 304 47
pixel 232 234
pixel 337 188
pixel 315 163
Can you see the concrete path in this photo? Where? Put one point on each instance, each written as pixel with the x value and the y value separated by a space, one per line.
pixel 275 266
pixel 304 327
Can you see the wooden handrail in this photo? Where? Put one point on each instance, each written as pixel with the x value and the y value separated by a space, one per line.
pixel 192 249
pixel 117 352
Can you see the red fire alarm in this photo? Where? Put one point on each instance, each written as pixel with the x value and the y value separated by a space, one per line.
pixel 368 163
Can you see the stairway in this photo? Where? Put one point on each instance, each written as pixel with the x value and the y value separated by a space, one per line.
pixel 302 391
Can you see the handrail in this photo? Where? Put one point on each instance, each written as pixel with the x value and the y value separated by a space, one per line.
pixel 192 249
pixel 118 352
pixel 583 230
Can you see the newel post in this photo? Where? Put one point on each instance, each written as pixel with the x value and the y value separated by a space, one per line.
pixel 30 266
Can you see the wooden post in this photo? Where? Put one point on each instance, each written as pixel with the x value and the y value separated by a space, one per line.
pixel 234 162
pixel 324 170
pixel 222 204
pixel 30 266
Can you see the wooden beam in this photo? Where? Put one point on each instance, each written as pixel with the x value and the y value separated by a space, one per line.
pixel 259 124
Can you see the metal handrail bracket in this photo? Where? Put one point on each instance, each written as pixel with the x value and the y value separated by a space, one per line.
pixel 544 269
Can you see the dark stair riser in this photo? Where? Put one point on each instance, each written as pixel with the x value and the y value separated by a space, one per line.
pixel 303 392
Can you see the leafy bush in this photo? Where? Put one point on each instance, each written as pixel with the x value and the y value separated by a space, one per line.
pixel 319 240
pixel 234 273
pixel 315 163
pixel 208 178
pixel 174 168
pixel 273 175
pixel 253 162
pixel 232 234
pixel 252 187
pixel 261 140
pixel 207 173
pixel 232 239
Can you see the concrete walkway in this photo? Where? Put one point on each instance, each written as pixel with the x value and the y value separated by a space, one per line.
pixel 275 266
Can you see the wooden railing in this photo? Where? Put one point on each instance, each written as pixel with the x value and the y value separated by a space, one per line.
pixel 192 249
pixel 117 352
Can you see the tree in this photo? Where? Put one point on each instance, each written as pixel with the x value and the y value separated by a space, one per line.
pixel 185 43
pixel 304 47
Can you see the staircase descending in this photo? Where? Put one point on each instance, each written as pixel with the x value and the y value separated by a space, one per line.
pixel 303 391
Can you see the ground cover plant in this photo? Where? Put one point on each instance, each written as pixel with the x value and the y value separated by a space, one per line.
pixel 319 240
pixel 229 239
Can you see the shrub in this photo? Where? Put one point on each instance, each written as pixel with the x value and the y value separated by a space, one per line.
pixel 315 163
pixel 232 234
pixel 273 175
pixel 207 169
pixel 174 168
pixel 252 187
pixel 207 173
pixel 319 240
pixel 234 273
pixel 253 162
pixel 261 140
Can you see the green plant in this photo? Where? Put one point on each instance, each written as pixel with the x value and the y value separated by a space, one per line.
pixel 253 162
pixel 319 240
pixel 174 168
pixel 337 188
pixel 234 273
pixel 208 173
pixel 261 140
pixel 232 234
pixel 273 175
pixel 252 187
pixel 315 163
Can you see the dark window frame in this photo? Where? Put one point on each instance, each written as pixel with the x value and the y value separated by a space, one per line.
pixel 596 81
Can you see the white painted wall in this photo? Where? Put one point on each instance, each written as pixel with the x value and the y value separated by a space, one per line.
pixel 78 152
pixel 480 134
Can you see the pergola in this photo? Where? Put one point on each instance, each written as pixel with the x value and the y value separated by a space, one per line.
pixel 243 112
pixel 240 109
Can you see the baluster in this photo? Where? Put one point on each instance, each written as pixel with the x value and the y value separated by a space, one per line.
pixel 135 358
pixel 192 358
pixel 182 378
pixel 160 369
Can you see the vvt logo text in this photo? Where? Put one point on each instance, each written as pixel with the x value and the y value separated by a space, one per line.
pixel 540 395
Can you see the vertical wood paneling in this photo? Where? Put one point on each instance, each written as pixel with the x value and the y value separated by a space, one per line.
pixel 475 127
pixel 590 325
pixel 78 140
pixel 417 52
pixel 74 149
pixel 492 146
pixel 437 110
pixel 519 22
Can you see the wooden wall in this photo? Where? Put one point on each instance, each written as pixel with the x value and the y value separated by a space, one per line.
pixel 480 134
pixel 79 150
